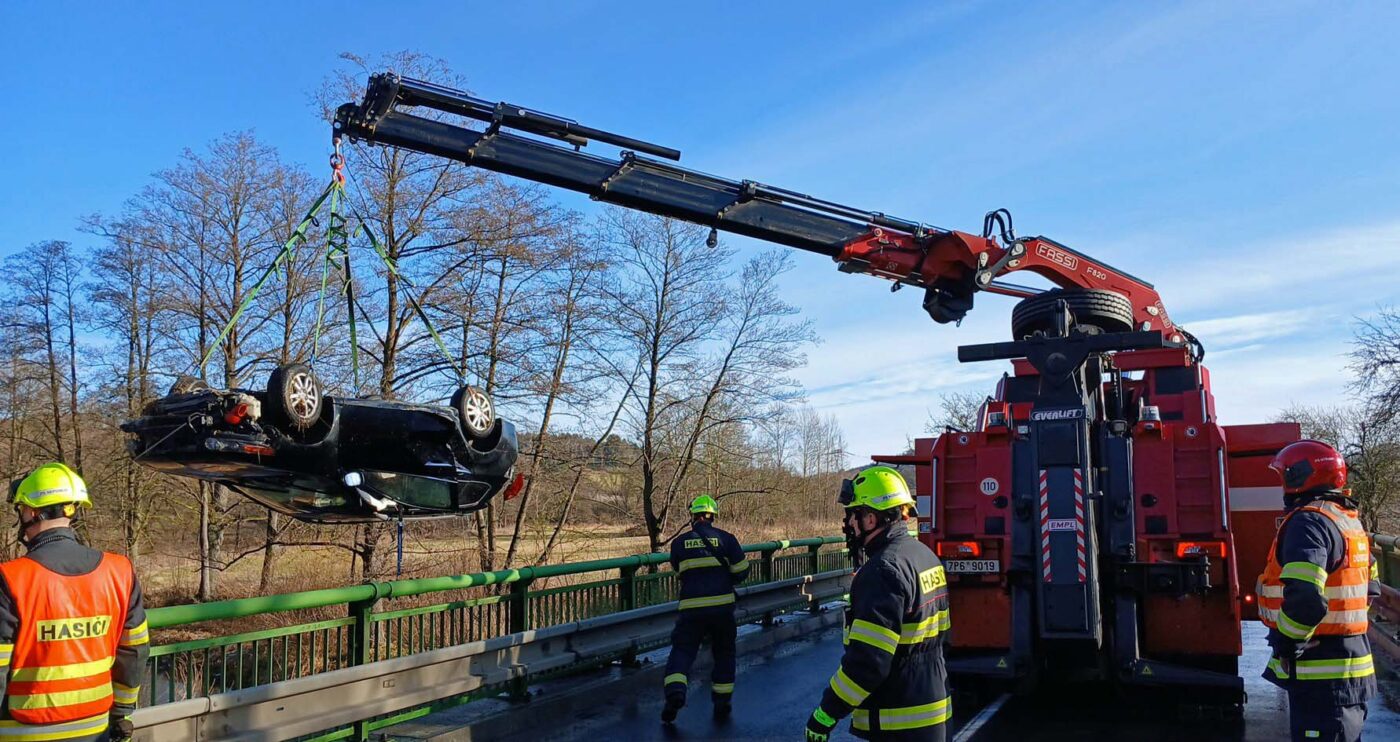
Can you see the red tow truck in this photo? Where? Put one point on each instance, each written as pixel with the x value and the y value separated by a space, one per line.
pixel 1099 522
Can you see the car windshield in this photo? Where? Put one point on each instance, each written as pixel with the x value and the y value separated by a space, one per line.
pixel 297 498
pixel 420 492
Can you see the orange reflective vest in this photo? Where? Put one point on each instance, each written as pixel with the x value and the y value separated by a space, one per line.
pixel 1344 588
pixel 69 629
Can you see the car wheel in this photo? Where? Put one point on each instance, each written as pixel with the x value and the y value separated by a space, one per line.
pixel 187 385
pixel 296 392
pixel 1093 310
pixel 474 411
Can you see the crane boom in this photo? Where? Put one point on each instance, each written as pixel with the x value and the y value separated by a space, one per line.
pixel 951 266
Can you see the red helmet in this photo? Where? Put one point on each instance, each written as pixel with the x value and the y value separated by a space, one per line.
pixel 1310 465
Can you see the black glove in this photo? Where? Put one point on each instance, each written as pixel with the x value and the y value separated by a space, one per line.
pixel 1282 645
pixel 120 729
pixel 1287 651
pixel 819 726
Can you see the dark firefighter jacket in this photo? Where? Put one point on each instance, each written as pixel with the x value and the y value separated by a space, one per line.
pixel 707 581
pixel 892 675
pixel 59 550
pixel 1312 537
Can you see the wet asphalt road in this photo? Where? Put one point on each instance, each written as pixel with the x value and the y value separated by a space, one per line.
pixel 773 695
pixel 1265 714
pixel 777 690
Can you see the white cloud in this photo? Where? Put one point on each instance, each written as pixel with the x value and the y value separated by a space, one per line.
pixel 1230 332
pixel 1338 268
pixel 1253 386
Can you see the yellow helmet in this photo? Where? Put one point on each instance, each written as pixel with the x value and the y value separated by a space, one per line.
pixel 879 488
pixel 51 484
pixel 704 504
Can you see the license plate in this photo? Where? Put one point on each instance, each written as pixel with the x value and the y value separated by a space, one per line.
pixel 972 566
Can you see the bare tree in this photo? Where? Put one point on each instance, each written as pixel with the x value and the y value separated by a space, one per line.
pixel 778 435
pixel 218 210
pixel 68 276
pixel 44 279
pixel 956 411
pixel 1375 358
pixel 575 315
pixel 669 300
pixel 521 242
pixel 1369 438
pixel 126 292
pixel 711 354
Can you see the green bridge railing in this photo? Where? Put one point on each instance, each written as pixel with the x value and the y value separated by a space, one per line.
pixel 1387 551
pixel 347 626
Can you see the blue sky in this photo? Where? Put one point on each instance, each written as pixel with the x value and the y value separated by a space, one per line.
pixel 1243 157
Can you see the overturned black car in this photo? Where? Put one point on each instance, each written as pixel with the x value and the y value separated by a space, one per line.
pixel 329 459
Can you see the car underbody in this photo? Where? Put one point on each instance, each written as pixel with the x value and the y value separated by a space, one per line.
pixel 331 459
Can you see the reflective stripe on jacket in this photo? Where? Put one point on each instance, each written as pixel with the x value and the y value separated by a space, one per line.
pixel 70 628
pixel 892 677
pixel 1343 586
pixel 82 730
pixel 704 581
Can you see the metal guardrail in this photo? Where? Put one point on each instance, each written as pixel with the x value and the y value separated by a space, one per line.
pixel 305 706
pixel 1387 551
pixel 382 621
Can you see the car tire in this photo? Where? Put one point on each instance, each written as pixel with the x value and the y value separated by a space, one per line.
pixel 188 385
pixel 295 392
pixel 474 411
pixel 1095 310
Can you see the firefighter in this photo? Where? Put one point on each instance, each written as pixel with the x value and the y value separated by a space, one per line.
pixel 1314 596
pixel 892 675
pixel 72 626
pixel 710 562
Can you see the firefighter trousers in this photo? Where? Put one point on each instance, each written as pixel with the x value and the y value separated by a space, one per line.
pixel 1310 721
pixel 693 627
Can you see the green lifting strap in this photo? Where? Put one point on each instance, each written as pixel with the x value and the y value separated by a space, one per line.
pixel 298 237
pixel 413 300
pixel 333 248
pixel 338 236
pixel 350 313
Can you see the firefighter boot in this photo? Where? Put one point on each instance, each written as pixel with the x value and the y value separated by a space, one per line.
pixel 722 705
pixel 674 703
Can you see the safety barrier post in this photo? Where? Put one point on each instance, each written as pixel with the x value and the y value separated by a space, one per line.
pixel 1386 549
pixel 814 566
pixel 361 649
pixel 626 601
pixel 768 577
pixel 519 621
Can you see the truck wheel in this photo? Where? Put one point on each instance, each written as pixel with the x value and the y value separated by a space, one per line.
pixel 295 392
pixel 1104 311
pixel 474 411
pixel 187 385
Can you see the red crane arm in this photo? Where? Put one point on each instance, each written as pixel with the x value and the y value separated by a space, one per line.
pixel 952 254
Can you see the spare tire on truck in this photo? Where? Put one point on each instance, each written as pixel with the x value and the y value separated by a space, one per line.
pixel 1092 309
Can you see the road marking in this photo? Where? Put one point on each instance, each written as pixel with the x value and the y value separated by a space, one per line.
pixel 982 717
